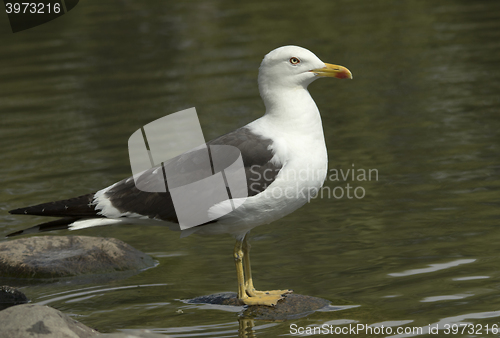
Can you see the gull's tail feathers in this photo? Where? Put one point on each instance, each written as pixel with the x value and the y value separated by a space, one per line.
pixel 73 211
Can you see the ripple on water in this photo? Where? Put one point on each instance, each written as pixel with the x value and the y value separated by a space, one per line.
pixel 86 293
pixel 432 268
pixel 445 297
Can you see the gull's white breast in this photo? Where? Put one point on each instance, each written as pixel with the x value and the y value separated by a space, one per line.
pixel 300 147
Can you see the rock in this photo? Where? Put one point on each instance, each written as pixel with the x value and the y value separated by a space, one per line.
pixel 63 256
pixel 31 320
pixel 223 298
pixel 11 296
pixel 292 306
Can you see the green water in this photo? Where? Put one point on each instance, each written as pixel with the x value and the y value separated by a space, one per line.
pixel 423 109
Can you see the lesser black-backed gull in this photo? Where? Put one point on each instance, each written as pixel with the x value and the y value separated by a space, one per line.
pixel 286 141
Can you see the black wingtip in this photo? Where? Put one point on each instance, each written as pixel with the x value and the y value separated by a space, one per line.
pixel 81 206
pixel 19 211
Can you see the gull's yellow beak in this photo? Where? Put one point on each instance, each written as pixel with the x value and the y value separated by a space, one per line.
pixel 333 71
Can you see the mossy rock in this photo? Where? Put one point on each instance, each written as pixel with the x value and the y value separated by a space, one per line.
pixel 65 256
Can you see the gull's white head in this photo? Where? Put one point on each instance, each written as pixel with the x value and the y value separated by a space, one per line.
pixel 293 67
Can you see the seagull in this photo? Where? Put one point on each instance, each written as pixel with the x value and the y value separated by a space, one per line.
pixel 284 157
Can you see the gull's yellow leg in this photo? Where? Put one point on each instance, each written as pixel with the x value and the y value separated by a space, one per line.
pixel 250 289
pixel 243 295
pixel 238 255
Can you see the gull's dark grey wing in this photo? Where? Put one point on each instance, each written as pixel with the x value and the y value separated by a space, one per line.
pixel 256 154
pixel 124 196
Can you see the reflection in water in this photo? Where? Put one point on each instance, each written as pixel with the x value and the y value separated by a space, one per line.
pixel 245 329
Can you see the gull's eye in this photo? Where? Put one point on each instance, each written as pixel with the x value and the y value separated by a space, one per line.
pixel 294 61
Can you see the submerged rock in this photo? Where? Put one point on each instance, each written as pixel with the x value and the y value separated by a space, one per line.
pixel 64 256
pixel 11 296
pixel 31 320
pixel 292 306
